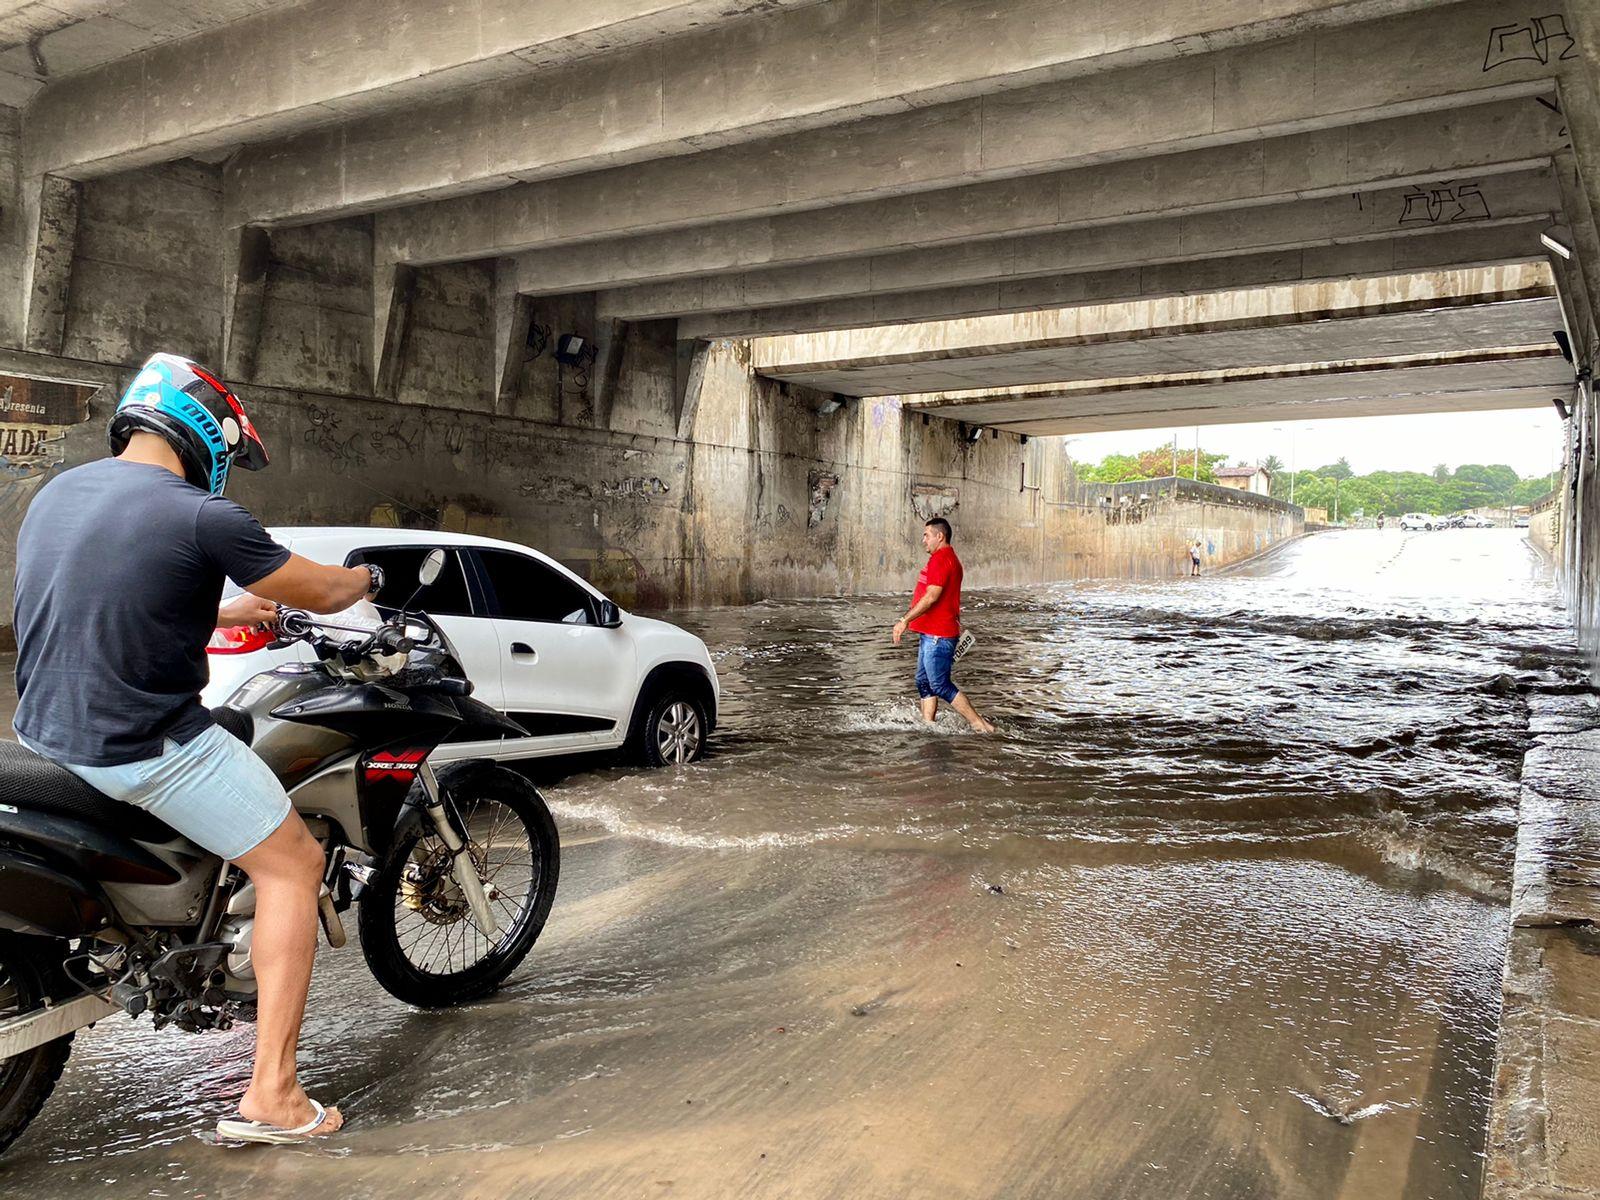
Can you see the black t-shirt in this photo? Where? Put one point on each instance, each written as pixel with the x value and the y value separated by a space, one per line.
pixel 120 568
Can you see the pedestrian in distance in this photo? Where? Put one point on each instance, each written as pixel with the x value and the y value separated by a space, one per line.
pixel 1194 557
pixel 935 617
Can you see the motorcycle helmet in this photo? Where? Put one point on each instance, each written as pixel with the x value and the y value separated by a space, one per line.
pixel 190 407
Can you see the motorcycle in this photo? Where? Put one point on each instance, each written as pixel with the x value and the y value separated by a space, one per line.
pixel 104 909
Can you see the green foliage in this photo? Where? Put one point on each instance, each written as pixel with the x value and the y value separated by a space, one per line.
pixel 1152 464
pixel 1471 485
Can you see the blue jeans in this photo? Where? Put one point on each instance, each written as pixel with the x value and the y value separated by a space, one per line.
pixel 214 790
pixel 935 656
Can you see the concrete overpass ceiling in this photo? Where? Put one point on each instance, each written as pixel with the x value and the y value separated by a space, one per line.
pixel 546 88
pixel 47 43
pixel 1512 377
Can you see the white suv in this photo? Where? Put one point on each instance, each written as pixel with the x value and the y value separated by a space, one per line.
pixel 1416 521
pixel 537 642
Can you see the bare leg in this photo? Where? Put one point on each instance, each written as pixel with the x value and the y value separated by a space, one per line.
pixel 930 708
pixel 964 706
pixel 287 871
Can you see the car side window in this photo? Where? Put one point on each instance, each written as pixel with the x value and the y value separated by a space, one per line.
pixel 445 597
pixel 525 589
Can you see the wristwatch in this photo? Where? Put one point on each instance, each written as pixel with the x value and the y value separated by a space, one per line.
pixel 377 578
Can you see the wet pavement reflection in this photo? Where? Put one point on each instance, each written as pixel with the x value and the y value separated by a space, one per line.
pixel 1220 911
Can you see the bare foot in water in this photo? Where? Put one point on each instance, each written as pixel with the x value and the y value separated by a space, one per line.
pixel 288 1111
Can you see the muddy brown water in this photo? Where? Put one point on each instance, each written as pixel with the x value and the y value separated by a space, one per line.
pixel 1219 912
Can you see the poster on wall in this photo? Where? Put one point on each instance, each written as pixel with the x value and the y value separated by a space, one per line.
pixel 35 415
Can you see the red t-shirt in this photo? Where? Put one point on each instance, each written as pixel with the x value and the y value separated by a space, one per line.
pixel 944 618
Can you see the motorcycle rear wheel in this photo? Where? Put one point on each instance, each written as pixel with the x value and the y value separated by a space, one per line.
pixel 417 933
pixel 26 1079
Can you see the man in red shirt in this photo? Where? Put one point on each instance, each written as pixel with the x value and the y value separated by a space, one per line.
pixel 935 615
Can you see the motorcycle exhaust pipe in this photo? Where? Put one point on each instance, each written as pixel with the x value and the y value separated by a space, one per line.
pixel 332 926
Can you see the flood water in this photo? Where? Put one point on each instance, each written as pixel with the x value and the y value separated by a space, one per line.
pixel 1218 912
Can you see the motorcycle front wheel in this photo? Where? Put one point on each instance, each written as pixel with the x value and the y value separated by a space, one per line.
pixel 417 931
pixel 26 1079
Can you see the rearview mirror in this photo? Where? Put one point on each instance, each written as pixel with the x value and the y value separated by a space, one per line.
pixel 431 567
pixel 610 615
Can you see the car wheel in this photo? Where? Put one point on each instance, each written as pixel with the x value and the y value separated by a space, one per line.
pixel 673 731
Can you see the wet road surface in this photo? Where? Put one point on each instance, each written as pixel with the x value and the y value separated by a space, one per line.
pixel 1219 912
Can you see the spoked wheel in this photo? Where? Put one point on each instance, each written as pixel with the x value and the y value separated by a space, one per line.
pixel 417 929
pixel 26 1079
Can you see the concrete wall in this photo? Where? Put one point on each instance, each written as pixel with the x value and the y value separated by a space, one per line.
pixel 1544 526
pixel 1144 530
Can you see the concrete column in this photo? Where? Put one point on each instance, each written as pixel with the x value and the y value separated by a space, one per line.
pixel 53 234
pixel 244 298
pixel 513 316
pixel 394 287
pixel 699 354
pixel 612 340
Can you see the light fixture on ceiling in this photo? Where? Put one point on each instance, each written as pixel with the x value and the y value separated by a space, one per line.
pixel 1558 240
pixel 972 433
pixel 1561 406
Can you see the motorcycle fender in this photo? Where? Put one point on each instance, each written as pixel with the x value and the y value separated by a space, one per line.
pixel 39 899
pixel 413 813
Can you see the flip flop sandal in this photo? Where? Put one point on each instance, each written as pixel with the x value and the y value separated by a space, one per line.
pixel 272 1135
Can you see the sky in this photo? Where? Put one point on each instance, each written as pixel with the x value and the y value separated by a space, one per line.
pixel 1526 439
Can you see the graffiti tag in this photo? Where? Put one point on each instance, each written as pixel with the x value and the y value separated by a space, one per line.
pixel 1540 39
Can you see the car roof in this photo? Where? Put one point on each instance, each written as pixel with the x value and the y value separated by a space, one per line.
pixel 310 539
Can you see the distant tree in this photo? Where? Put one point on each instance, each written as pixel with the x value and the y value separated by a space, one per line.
pixel 1340 470
pixel 1441 473
pixel 1272 463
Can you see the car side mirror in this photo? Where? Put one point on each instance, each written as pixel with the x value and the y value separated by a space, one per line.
pixel 610 615
pixel 431 567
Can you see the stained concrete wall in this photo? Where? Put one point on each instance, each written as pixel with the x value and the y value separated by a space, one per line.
pixel 1144 530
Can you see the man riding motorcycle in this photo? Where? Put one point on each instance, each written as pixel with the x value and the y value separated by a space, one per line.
pixel 120 569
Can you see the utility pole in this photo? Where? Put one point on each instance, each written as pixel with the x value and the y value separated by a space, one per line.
pixel 1335 499
pixel 1292 458
pixel 1197 453
pixel 1174 453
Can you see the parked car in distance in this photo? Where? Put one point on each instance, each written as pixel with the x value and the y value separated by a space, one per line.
pixel 538 642
pixel 1415 521
pixel 1477 522
pixel 1520 523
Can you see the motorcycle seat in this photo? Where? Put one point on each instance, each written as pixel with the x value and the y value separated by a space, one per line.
pixel 33 783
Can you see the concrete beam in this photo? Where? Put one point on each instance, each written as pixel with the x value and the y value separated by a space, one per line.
pixel 54 237
pixel 244 300
pixel 1426 61
pixel 1521 377
pixel 1479 140
pixel 1434 314
pixel 1345 217
pixel 312 65
pixel 1483 247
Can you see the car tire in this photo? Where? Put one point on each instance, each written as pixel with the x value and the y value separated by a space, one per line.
pixel 673 729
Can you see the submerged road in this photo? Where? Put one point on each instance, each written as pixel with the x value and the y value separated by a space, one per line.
pixel 1220 911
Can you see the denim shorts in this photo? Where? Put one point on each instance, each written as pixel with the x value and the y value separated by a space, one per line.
pixel 214 790
pixel 935 655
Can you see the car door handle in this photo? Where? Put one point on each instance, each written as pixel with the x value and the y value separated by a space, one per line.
pixel 523 649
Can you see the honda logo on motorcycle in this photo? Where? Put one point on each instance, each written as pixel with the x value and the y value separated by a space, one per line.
pixel 400 765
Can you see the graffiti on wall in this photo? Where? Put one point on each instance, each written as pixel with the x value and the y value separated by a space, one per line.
pixel 1541 40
